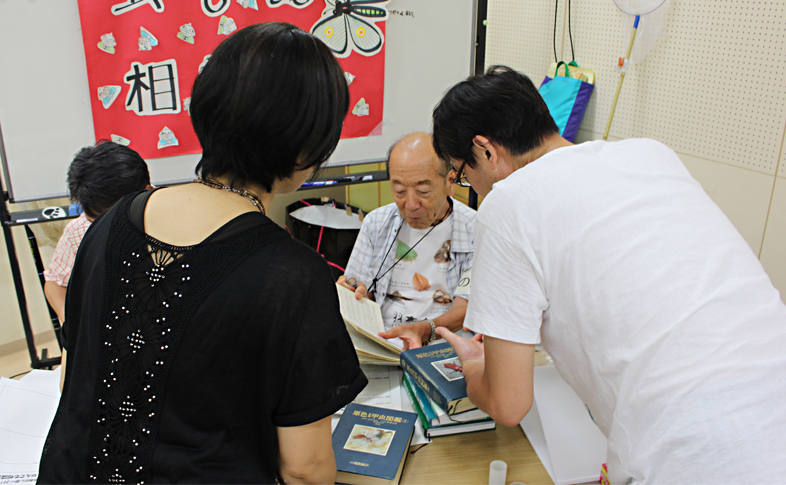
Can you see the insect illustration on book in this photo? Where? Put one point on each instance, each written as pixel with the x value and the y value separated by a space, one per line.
pixel 344 21
pixel 369 440
pixel 450 369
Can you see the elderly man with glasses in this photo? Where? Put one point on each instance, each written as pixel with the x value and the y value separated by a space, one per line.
pixel 414 256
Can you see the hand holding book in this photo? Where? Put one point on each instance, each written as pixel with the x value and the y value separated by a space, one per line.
pixel 468 350
pixel 413 335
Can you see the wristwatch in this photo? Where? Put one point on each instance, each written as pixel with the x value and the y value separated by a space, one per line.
pixel 433 330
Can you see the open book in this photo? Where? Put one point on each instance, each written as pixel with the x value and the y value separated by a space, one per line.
pixel 364 322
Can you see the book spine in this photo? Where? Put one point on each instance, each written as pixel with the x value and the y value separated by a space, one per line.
pixel 426 404
pixel 416 404
pixel 423 381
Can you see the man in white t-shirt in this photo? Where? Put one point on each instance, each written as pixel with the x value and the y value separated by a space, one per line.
pixel 653 307
pixel 413 256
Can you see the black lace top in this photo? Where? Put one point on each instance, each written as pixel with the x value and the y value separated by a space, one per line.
pixel 183 360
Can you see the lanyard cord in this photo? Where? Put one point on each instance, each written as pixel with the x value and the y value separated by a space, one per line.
pixel 398 260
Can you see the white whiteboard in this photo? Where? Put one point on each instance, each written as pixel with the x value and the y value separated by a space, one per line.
pixel 45 115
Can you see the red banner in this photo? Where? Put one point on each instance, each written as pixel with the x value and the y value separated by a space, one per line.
pixel 143 56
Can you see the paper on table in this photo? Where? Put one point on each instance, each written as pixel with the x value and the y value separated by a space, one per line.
pixel 567 441
pixel 382 389
pixel 26 413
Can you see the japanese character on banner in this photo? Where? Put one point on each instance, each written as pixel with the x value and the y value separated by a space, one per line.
pixel 127 6
pixel 153 88
pixel 143 57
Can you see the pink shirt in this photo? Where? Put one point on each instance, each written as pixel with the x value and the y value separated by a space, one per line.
pixel 62 263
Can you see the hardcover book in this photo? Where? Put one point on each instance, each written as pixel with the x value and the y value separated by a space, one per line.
pixel 431 426
pixel 371 444
pixel 437 370
pixel 436 415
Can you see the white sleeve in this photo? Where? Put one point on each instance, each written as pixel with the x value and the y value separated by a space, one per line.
pixel 508 299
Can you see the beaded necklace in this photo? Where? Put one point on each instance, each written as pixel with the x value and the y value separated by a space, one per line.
pixel 215 184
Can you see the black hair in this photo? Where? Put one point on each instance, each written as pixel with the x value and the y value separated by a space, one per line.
pixel 102 174
pixel 271 100
pixel 502 105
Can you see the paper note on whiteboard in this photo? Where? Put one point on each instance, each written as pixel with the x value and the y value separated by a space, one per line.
pixel 559 428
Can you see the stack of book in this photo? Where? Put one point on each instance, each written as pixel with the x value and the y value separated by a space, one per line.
pixel 434 381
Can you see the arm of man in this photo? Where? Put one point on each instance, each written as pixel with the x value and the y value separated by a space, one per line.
pixel 416 333
pixel 498 374
pixel 305 453
pixel 55 295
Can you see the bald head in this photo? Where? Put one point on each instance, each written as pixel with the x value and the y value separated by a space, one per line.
pixel 418 149
pixel 420 181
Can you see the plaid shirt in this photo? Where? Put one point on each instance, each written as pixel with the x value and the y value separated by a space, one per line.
pixel 378 232
pixel 62 263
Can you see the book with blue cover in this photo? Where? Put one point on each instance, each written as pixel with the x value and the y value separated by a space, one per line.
pixel 437 370
pixel 427 412
pixel 371 444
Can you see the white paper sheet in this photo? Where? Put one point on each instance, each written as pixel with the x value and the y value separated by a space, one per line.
pixel 560 430
pixel 27 408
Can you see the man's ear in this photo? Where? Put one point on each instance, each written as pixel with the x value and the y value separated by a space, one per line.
pixel 484 149
pixel 451 186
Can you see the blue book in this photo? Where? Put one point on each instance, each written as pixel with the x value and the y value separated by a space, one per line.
pixel 440 429
pixel 437 416
pixel 371 444
pixel 436 369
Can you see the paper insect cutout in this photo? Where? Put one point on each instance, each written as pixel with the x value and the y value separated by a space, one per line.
pixel 343 20
pixel 120 140
pixel 187 105
pixel 108 95
pixel 204 63
pixel 361 108
pixel 107 43
pixel 146 40
pixel 167 139
pixel 350 77
pixel 187 33
pixel 226 25
pixel 248 4
pixel 294 3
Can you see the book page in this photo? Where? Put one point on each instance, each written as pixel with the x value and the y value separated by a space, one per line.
pixel 364 314
pixel 366 317
pixel 363 345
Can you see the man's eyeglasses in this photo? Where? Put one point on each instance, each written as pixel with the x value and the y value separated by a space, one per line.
pixel 461 177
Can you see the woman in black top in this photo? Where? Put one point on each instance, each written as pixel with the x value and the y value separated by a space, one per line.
pixel 203 343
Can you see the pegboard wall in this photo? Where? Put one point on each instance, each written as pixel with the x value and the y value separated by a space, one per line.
pixel 712 86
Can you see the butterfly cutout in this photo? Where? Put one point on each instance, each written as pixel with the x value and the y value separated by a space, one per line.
pixel 343 21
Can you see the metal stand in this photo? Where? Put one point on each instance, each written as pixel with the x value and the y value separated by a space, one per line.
pixel 36 362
